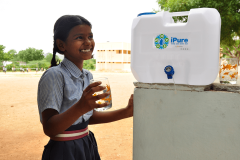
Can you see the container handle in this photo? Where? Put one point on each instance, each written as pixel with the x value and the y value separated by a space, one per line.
pixel 186 13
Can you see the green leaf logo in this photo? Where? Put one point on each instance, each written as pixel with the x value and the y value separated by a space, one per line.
pixel 161 41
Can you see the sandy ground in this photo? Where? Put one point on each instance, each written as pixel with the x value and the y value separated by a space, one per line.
pixel 22 137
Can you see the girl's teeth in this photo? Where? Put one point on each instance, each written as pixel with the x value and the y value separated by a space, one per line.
pixel 85 50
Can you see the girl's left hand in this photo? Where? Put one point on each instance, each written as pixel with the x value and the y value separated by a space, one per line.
pixel 129 108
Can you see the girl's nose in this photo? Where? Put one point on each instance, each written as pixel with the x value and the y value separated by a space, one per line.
pixel 87 42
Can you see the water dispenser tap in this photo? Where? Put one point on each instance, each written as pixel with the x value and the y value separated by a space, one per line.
pixel 169 71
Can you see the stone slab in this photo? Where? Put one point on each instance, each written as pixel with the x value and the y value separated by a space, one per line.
pixel 182 87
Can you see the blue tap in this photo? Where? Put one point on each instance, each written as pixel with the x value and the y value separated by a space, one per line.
pixel 169 71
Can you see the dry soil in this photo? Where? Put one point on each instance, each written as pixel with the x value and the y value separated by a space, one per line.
pixel 22 137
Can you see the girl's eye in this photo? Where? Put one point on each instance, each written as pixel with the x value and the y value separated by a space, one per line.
pixel 80 37
pixel 91 37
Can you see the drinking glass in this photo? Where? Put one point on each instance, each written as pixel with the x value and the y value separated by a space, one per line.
pixel 228 73
pixel 107 99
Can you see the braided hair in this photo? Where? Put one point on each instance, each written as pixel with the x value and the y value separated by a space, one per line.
pixel 61 31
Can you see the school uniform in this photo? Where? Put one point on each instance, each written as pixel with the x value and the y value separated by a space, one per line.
pixel 59 88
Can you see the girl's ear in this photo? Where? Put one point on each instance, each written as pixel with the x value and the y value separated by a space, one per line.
pixel 60 45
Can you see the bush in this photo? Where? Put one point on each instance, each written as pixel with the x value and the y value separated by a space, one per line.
pixel 16 64
pixel 38 64
pixel 43 65
pixel 9 67
pixel 1 64
pixel 89 64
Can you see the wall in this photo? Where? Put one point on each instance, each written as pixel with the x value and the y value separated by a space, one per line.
pixel 195 123
pixel 114 55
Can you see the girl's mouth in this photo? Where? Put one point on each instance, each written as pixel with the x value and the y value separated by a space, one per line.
pixel 86 50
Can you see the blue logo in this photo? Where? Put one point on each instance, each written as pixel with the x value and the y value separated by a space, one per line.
pixel 161 41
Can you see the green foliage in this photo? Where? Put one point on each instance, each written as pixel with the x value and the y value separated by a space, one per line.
pixel 232 51
pixel 229 11
pixel 49 56
pixel 31 64
pixel 89 64
pixel 43 65
pixel 16 58
pixel 39 64
pixel 15 64
pixel 9 67
pixel 1 64
pixel 2 52
pixel 6 56
pixel 30 54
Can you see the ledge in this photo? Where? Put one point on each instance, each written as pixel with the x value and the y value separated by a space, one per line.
pixel 182 87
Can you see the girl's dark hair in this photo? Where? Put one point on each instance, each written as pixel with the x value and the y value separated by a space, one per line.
pixel 61 30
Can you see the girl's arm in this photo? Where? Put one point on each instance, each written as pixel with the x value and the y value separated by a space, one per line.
pixel 111 116
pixel 55 123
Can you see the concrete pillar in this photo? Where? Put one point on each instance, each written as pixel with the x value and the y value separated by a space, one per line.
pixel 195 123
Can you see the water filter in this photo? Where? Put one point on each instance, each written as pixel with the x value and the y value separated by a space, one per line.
pixel 190 49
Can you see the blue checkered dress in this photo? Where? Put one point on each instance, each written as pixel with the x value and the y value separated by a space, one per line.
pixel 59 88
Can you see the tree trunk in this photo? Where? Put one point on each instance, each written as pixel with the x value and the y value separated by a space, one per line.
pixel 230 53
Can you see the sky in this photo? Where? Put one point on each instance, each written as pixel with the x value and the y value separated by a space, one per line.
pixel 29 23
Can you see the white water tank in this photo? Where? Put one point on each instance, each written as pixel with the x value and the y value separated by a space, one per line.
pixel 191 49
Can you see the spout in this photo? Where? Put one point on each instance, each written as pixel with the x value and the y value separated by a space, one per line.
pixel 169 71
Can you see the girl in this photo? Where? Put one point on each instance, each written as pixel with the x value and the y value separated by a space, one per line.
pixel 65 95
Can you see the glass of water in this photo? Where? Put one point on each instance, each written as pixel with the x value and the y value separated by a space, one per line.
pixel 107 99
pixel 228 72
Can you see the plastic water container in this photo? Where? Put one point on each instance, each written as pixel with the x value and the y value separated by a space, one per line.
pixel 189 50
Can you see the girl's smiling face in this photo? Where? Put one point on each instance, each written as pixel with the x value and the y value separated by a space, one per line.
pixel 79 44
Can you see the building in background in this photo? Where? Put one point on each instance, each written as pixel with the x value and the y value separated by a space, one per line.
pixel 114 56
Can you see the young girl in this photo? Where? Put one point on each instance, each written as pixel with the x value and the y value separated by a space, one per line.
pixel 65 96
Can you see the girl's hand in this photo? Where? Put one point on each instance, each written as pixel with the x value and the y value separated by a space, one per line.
pixel 88 101
pixel 129 108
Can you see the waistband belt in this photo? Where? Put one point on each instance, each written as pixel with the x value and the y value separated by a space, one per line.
pixel 71 135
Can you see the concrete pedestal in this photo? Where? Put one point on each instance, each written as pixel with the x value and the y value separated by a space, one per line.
pixel 195 123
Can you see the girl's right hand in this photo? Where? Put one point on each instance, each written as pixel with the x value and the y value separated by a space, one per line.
pixel 88 101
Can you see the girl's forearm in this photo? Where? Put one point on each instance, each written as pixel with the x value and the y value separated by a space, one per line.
pixel 60 122
pixel 108 116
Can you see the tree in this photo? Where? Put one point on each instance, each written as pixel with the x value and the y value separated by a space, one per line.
pixel 232 51
pixel 229 11
pixel 2 52
pixel 10 54
pixel 30 54
pixel 6 56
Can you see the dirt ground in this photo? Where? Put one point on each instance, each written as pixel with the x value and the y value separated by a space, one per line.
pixel 22 137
